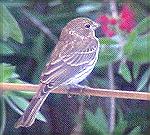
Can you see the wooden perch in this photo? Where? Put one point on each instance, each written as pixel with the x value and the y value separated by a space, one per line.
pixel 86 92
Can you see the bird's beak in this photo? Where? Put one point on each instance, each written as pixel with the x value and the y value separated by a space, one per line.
pixel 95 26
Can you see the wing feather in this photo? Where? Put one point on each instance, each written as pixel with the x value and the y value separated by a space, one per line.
pixel 69 63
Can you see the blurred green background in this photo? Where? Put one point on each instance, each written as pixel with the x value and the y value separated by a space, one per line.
pixel 29 30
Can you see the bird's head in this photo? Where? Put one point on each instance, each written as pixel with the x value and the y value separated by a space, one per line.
pixel 82 26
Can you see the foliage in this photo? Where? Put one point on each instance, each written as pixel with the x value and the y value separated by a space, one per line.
pixel 135 50
pixel 96 124
pixel 16 102
pixel 9 26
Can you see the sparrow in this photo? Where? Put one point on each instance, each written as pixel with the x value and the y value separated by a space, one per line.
pixel 71 61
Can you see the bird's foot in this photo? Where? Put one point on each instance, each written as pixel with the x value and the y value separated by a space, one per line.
pixel 81 89
pixel 76 88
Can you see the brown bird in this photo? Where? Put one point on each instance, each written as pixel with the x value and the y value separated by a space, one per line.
pixel 71 61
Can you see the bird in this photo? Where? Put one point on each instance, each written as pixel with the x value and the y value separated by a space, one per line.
pixel 71 61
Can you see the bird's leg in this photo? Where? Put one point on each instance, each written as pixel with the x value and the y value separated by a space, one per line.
pixel 71 88
pixel 67 88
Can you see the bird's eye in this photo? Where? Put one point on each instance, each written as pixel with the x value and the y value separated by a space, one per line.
pixel 87 26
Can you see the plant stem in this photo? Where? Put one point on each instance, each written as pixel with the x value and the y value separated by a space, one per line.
pixel 114 12
pixel 112 101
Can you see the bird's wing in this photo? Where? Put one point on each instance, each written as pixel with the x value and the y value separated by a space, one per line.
pixel 68 62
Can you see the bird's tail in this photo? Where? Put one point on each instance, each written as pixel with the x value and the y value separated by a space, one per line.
pixel 28 118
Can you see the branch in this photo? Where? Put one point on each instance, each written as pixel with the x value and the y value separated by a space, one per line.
pixel 86 92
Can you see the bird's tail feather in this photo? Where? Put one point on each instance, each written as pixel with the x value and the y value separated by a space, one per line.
pixel 28 118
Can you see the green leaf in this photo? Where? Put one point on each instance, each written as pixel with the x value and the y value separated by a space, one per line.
pixel 143 80
pixel 4 27
pixel 143 26
pixel 25 94
pixel 129 46
pixel 6 72
pixel 107 41
pixel 125 72
pixel 135 131
pixel 22 104
pixel 138 46
pixel 121 124
pixel 136 68
pixel 9 26
pixel 108 55
pixel 102 119
pixel 2 115
pixel 98 121
pixel 141 47
pixel 5 49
